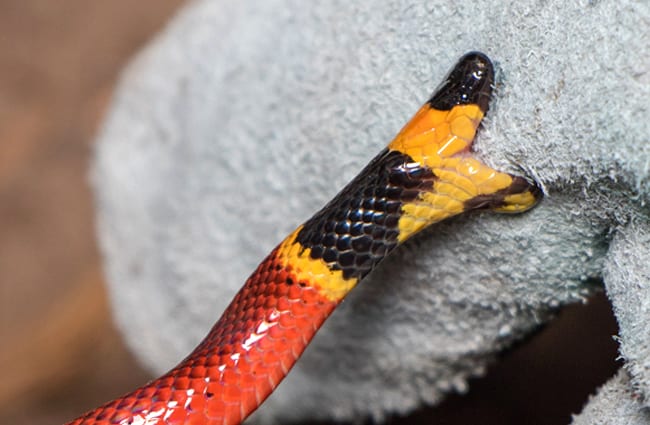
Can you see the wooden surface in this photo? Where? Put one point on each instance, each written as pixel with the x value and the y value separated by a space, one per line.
pixel 59 352
pixel 59 61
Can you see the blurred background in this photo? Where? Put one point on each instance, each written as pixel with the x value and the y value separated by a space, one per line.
pixel 59 352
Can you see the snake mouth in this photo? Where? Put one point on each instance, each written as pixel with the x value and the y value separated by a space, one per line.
pixel 469 82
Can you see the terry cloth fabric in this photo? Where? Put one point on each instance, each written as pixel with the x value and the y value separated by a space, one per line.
pixel 243 118
pixel 615 403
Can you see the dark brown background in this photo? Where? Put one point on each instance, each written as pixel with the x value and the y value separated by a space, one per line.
pixel 59 353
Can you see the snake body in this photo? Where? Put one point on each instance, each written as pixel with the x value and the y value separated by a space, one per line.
pixel 425 175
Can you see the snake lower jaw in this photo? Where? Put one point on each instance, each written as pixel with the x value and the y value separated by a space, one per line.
pixel 520 202
pixel 521 195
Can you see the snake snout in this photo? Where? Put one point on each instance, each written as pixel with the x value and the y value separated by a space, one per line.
pixel 469 82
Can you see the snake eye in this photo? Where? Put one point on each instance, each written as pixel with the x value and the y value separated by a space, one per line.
pixel 470 81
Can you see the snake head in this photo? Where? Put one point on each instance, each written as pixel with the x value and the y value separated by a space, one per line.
pixel 439 138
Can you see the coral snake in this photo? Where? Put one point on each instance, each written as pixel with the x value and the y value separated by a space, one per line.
pixel 425 175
